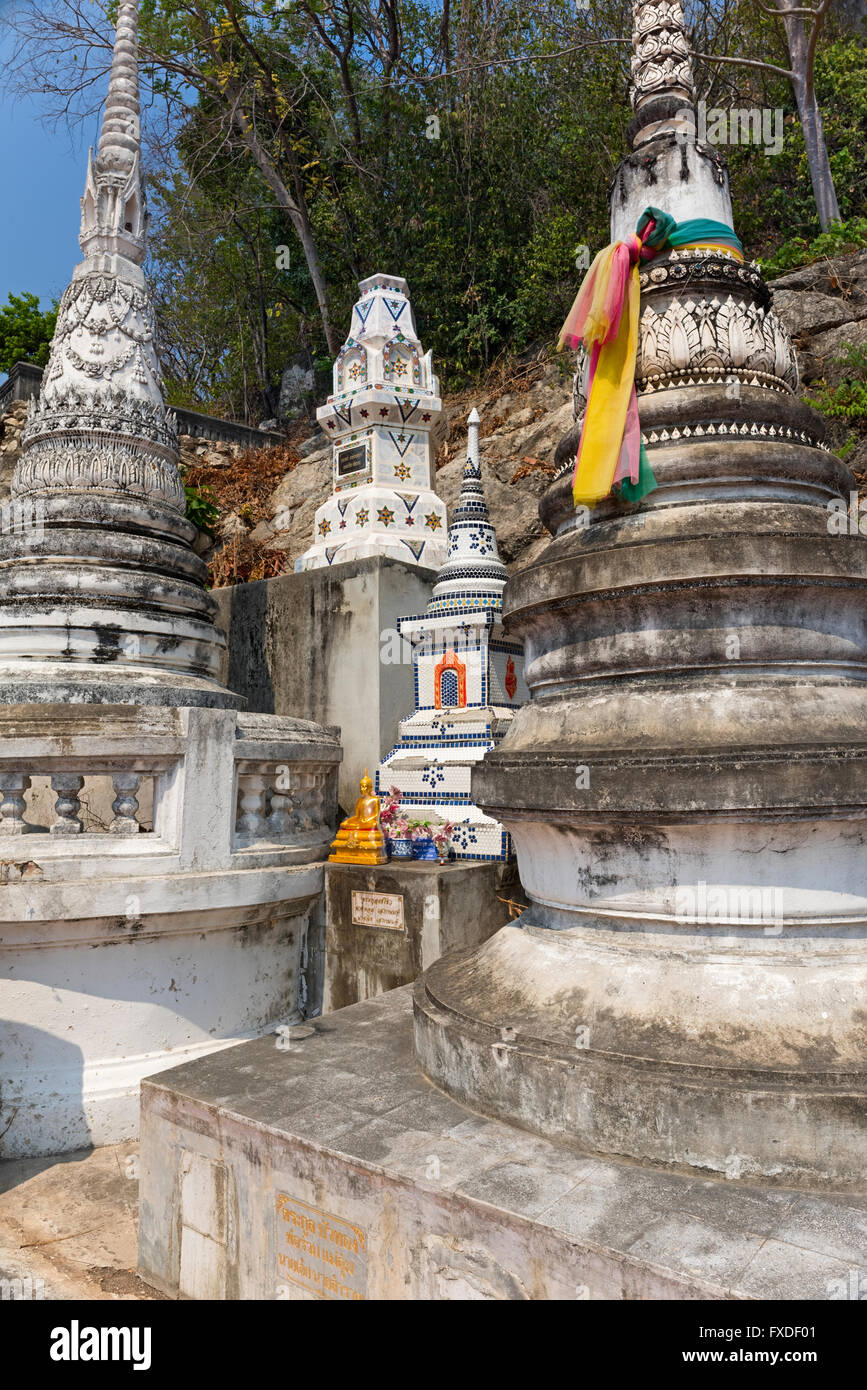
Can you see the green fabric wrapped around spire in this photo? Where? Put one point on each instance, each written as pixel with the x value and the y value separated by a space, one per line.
pixel 668 232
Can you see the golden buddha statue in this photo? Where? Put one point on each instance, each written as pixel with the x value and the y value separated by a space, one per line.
pixel 360 839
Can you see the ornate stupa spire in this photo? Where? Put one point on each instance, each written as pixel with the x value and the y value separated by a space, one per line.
pixel 469 679
pixel 103 596
pixel 662 84
pixel 473 576
pixel 383 419
pixel 113 216
pixel 667 165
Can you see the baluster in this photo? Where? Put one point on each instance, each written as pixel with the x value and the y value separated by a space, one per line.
pixel 308 782
pixel 252 787
pixel 67 806
pixel 125 804
pixel 280 819
pixel 13 785
pixel 319 798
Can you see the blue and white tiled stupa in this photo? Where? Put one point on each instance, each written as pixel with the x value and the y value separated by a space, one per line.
pixel 468 679
pixel 382 419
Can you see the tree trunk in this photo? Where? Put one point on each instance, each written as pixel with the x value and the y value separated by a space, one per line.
pixel 299 221
pixel 817 158
pixel 811 120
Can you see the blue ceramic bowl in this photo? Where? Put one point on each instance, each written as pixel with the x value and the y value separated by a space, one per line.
pixel 424 849
pixel 400 848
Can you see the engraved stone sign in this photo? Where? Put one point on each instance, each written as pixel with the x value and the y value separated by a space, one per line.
pixel 377 910
pixel 321 1254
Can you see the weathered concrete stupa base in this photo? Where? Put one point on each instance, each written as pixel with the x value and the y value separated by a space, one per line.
pixel 160 868
pixel 117 685
pixel 686 788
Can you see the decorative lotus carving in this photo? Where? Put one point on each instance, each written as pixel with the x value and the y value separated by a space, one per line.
pixel 667 14
pixel 75 463
pixel 109 409
pixel 660 58
pixel 729 334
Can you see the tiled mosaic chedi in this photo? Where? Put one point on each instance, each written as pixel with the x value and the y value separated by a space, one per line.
pixel 382 420
pixel 468 680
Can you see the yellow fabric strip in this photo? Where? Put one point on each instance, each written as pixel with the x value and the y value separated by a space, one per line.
pixel 605 417
pixel 711 246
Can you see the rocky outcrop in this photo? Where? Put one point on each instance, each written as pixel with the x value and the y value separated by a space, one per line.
pixel 521 423
pixel 824 307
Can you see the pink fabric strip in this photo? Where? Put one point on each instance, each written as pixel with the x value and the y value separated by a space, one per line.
pixel 630 449
pixel 594 358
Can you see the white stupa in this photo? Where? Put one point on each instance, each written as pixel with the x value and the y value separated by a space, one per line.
pixel 469 679
pixel 382 420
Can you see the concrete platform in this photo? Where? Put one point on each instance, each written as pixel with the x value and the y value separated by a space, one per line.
pixel 333 1169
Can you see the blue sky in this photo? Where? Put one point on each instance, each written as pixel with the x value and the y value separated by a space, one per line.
pixel 42 179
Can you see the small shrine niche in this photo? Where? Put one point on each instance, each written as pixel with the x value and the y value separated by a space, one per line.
pixel 400 362
pixel 351 367
pixel 450 683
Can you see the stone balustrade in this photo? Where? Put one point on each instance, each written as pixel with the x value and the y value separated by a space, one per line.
pixel 87 773
pixel 277 802
pixel 171 858
pixel 73 811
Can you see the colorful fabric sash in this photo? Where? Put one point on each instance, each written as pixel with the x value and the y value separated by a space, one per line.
pixel 604 319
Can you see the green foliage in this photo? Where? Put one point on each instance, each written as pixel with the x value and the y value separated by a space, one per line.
pixel 840 238
pixel 774 207
pixel 847 401
pixel 484 219
pixel 202 508
pixel 25 331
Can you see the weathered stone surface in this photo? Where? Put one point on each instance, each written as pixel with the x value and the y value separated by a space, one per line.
pixel 297 390
pixel 311 645
pixel 827 347
pixel 806 312
pixel 295 501
pixel 444 907
pixel 444 1204
pixel 686 787
pixel 843 275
